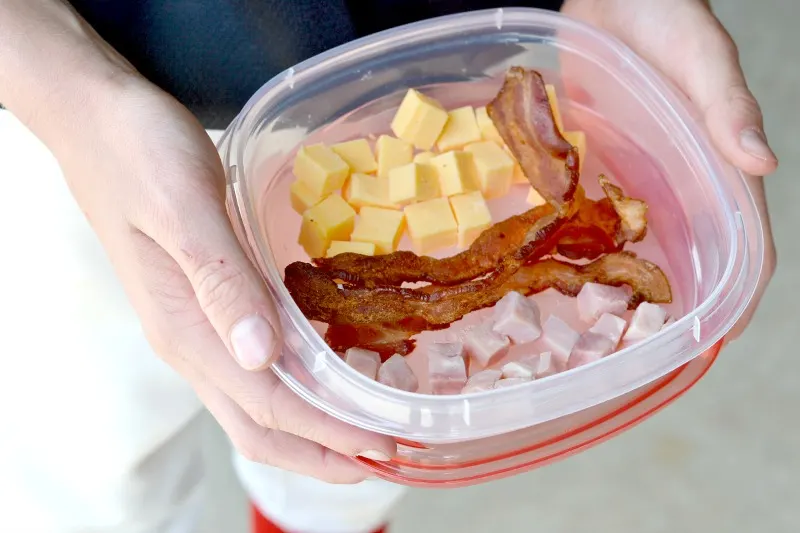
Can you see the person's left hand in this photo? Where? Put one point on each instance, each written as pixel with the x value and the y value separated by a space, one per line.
pixel 688 44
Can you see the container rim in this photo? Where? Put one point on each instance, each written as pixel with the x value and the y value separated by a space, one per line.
pixel 742 266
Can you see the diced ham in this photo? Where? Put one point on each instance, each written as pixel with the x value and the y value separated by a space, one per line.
pixel 647 320
pixel 509 382
pixel 447 369
pixel 363 361
pixel 560 338
pixel 519 369
pixel 484 346
pixel 518 318
pixel 396 373
pixel 610 326
pixel 589 348
pixel 596 299
pixel 545 365
pixel 669 322
pixel 482 381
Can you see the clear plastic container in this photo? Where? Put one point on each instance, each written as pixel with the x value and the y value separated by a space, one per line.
pixel 639 129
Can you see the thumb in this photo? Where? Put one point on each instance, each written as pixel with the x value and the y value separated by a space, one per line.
pixel 685 41
pixel 197 234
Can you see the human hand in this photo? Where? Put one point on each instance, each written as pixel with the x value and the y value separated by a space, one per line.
pixel 686 42
pixel 150 182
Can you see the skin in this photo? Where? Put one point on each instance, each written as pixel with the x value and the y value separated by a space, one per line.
pixel 153 191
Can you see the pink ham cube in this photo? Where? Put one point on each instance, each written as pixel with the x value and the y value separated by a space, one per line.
pixel 396 373
pixel 510 382
pixel 545 366
pixel 560 338
pixel 447 369
pixel 363 361
pixel 647 320
pixel 482 381
pixel 595 299
pixel 610 326
pixel 519 369
pixel 668 323
pixel 589 348
pixel 485 346
pixel 518 318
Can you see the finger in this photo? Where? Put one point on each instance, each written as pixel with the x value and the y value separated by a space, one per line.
pixel 277 448
pixel 179 331
pixel 192 225
pixel 685 41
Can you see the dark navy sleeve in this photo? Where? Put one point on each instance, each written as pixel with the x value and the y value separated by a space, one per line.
pixel 214 55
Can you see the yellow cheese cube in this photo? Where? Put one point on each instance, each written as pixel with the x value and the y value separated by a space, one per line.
pixel 494 169
pixel 472 215
pixel 431 225
pixel 461 129
pixel 419 120
pixel 392 153
pixel 424 157
pixel 456 172
pixel 413 183
pixel 362 190
pixel 578 140
pixel 320 169
pixel 342 247
pixel 534 198
pixel 551 95
pixel 302 197
pixel 486 126
pixel 330 220
pixel 358 155
pixel 381 227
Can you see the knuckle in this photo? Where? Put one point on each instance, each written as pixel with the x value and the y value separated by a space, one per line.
pixel 218 284
pixel 254 449
pixel 261 408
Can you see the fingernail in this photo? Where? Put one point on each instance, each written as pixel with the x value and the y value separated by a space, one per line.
pixel 375 455
pixel 253 341
pixel 754 142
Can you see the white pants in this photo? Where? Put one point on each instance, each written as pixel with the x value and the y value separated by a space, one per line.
pixel 96 434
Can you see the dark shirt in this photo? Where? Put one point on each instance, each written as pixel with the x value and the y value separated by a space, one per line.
pixel 214 54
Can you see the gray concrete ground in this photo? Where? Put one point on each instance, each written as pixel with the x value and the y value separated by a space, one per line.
pixel 726 457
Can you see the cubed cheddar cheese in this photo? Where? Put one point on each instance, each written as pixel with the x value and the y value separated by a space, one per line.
pixel 419 120
pixel 413 183
pixel 381 227
pixel 330 220
pixel 494 169
pixel 303 197
pixel 392 153
pixel 461 129
pixel 486 126
pixel 363 190
pixel 456 172
pixel 472 215
pixel 578 140
pixel 358 155
pixel 534 198
pixel 342 247
pixel 424 157
pixel 431 225
pixel 551 96
pixel 320 169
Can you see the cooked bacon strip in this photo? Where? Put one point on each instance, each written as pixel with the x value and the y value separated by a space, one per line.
pixel 386 337
pixel 632 212
pixel 320 298
pixel 522 114
pixel 596 229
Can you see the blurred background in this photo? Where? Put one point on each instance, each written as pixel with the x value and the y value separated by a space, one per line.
pixel 726 456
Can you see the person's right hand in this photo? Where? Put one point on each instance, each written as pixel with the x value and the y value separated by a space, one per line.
pixel 151 184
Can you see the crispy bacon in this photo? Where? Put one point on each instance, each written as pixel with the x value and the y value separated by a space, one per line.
pixel 596 229
pixel 632 212
pixel 648 281
pixel 522 114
